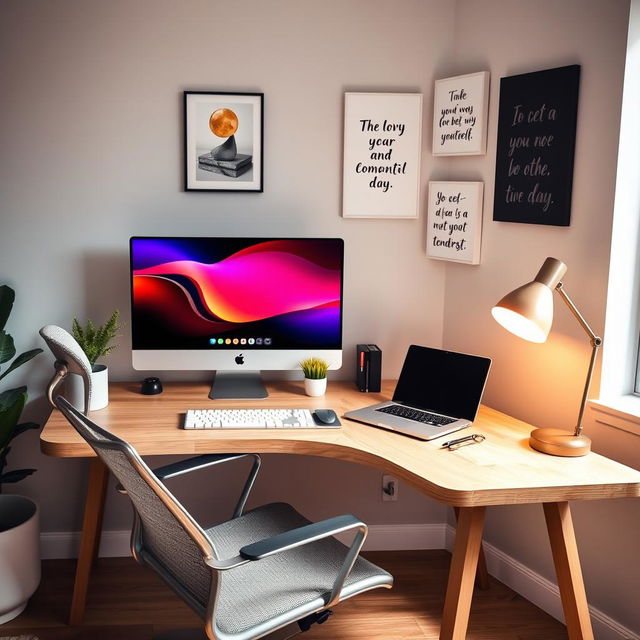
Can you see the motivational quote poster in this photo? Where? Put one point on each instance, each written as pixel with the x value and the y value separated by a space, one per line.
pixel 382 144
pixel 454 223
pixel 460 107
pixel 536 143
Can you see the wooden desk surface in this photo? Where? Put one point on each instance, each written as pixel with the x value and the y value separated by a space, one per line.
pixel 501 470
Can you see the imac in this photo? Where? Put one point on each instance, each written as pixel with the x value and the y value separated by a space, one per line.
pixel 235 306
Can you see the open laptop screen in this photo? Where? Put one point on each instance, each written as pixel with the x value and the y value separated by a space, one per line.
pixel 442 381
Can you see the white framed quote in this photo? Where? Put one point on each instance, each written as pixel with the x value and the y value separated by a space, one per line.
pixel 460 108
pixel 382 148
pixel 454 221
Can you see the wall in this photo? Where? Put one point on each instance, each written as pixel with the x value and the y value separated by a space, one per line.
pixel 91 140
pixel 542 384
pixel 91 145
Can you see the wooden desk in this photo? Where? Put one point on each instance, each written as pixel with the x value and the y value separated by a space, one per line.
pixel 501 470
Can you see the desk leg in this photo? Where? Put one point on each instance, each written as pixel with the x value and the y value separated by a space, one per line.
pixel 90 537
pixel 568 572
pixel 482 575
pixel 462 573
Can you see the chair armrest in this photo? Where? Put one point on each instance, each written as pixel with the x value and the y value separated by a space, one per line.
pixel 301 535
pixel 311 533
pixel 202 462
pixel 194 464
pixel 208 460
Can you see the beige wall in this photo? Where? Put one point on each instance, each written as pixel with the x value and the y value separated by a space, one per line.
pixel 91 153
pixel 542 384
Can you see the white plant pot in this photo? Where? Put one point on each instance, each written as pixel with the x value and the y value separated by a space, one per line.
pixel 315 388
pixel 74 388
pixel 19 554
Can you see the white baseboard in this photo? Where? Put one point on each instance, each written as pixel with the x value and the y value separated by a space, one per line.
pixel 65 544
pixel 529 584
pixel 382 537
pixel 398 537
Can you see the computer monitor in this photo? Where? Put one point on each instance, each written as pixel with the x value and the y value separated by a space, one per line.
pixel 235 304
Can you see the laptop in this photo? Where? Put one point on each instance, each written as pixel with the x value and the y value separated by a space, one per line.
pixel 438 392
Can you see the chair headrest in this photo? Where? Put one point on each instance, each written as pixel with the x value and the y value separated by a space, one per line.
pixel 65 347
pixel 69 354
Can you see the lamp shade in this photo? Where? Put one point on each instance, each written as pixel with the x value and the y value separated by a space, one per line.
pixel 528 310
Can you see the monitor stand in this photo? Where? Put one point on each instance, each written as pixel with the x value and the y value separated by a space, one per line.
pixel 235 384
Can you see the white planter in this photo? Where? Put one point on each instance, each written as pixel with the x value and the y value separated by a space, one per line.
pixel 315 388
pixel 19 554
pixel 74 388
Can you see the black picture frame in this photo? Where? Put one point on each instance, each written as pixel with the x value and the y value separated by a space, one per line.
pixel 536 145
pixel 223 141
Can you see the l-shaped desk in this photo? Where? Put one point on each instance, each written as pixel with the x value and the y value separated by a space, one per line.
pixel 501 470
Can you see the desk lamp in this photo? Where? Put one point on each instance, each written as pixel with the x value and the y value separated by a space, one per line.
pixel 528 313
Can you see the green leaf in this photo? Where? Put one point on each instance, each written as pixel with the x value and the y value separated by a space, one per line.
pixel 77 332
pixel 7 348
pixel 94 339
pixel 16 475
pixel 7 296
pixel 91 331
pixel 8 397
pixel 20 360
pixel 9 419
pixel 3 457
pixel 25 426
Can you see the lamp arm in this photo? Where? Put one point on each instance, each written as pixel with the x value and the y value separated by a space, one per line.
pixel 579 317
pixel 596 341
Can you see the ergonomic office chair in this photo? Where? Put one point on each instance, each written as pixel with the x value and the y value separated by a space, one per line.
pixel 265 573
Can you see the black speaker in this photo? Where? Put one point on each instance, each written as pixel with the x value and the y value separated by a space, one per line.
pixel 151 386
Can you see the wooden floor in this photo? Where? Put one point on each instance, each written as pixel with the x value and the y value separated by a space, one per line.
pixel 128 602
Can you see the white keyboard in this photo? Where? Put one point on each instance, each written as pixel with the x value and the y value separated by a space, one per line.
pixel 253 419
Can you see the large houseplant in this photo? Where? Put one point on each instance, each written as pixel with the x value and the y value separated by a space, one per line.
pixel 19 528
pixel 96 342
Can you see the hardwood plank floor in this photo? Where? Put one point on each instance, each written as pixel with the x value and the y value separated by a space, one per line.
pixel 129 602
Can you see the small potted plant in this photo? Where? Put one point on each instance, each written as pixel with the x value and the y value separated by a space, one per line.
pixel 19 526
pixel 95 341
pixel 315 376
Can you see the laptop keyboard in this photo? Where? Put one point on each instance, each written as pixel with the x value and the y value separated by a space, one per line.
pixel 417 415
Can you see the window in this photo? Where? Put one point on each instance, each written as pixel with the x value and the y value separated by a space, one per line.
pixel 620 365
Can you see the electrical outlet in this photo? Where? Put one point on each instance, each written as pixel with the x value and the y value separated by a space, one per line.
pixel 389 488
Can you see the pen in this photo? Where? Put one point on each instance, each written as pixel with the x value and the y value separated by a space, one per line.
pixel 476 437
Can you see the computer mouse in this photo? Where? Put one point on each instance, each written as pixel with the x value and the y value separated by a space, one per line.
pixel 326 416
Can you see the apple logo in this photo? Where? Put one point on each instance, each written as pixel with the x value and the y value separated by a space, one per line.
pixel 240 359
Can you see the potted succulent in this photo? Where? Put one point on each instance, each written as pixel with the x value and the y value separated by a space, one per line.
pixel 95 341
pixel 315 376
pixel 19 526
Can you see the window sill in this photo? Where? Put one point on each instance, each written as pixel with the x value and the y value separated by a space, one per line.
pixel 621 413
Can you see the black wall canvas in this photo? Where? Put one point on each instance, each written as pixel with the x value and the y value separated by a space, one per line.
pixel 536 143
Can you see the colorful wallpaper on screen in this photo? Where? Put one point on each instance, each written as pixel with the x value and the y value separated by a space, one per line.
pixel 192 293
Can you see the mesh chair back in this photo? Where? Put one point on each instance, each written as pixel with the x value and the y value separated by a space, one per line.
pixel 170 539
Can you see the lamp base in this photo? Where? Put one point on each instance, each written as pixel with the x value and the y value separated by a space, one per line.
pixel 558 442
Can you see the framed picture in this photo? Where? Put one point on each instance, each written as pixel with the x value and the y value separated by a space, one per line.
pixel 382 144
pixel 454 223
pixel 460 107
pixel 536 144
pixel 223 135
